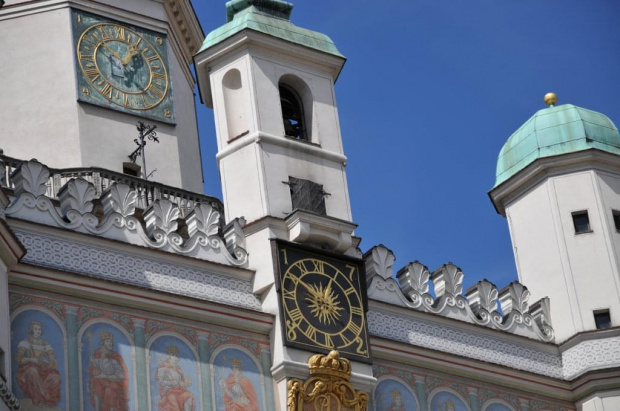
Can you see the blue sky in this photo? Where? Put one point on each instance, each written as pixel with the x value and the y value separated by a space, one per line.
pixel 430 92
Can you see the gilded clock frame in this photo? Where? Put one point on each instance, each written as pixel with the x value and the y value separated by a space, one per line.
pixel 306 323
pixel 95 35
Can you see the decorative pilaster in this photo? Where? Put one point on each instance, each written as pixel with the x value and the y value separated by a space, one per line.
pixel 474 402
pixel 141 371
pixel 524 404
pixel 73 355
pixel 420 389
pixel 265 360
pixel 205 372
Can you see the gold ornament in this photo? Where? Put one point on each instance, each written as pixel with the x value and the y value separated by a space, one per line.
pixel 551 99
pixel 328 388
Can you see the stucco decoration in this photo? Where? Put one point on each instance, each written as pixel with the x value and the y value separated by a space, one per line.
pixel 415 331
pixel 479 306
pixel 591 355
pixel 76 196
pixel 160 227
pixel 57 253
pixel 378 261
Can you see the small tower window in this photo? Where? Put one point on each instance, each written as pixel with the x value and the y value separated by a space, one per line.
pixel 306 195
pixel 292 113
pixel 131 169
pixel 581 222
pixel 616 215
pixel 602 319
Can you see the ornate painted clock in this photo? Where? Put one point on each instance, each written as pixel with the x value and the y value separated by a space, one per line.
pixel 322 300
pixel 122 67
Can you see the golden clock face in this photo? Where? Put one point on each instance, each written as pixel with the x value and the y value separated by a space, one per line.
pixel 322 303
pixel 122 66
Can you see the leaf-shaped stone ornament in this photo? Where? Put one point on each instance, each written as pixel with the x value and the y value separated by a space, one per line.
pixel 78 194
pixel 162 215
pixel 30 177
pixel 119 198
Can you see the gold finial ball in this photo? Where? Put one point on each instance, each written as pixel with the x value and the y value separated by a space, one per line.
pixel 551 99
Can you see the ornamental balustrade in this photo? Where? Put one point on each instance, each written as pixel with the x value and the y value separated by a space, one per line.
pixel 101 179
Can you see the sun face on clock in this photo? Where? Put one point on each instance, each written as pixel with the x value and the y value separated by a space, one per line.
pixel 322 304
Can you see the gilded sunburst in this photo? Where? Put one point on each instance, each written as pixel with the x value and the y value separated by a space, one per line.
pixel 324 303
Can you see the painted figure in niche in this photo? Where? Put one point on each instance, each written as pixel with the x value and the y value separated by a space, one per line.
pixel 37 374
pixel 173 384
pixel 397 401
pixel 447 401
pixel 392 395
pixel 238 391
pixel 109 382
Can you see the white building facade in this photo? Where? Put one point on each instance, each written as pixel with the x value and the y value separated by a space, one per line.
pixel 119 292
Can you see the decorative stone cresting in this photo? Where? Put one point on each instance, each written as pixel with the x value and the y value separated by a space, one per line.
pixel 479 306
pixel 161 226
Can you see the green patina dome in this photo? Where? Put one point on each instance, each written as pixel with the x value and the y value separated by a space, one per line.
pixel 554 131
pixel 269 17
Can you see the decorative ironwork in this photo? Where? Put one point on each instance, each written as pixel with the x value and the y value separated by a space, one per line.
pixel 307 195
pixel 147 132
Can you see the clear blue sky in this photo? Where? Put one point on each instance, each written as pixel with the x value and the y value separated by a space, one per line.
pixel 430 92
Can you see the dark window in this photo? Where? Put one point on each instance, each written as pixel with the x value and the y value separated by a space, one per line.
pixel 131 169
pixel 292 113
pixel 2 365
pixel 616 215
pixel 602 319
pixel 306 195
pixel 581 222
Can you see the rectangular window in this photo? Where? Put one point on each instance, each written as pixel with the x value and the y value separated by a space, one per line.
pixel 581 222
pixel 602 319
pixel 616 215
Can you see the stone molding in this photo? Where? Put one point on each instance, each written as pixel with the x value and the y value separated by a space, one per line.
pixel 478 306
pixel 158 228
pixel 433 335
pixel 591 355
pixel 99 262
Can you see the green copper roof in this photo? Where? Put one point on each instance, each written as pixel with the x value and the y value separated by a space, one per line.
pixel 554 131
pixel 270 17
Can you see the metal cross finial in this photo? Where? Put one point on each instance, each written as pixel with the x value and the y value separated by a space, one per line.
pixel 146 132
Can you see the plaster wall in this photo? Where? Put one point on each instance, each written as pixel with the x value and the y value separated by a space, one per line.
pixel 554 261
pixel 44 120
pixel 39 119
pixel 601 402
pixel 539 256
pixel 246 102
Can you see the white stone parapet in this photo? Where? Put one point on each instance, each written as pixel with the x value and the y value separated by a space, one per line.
pixel 478 306
pixel 195 232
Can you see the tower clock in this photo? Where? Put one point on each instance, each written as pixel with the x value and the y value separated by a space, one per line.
pixel 322 301
pixel 122 67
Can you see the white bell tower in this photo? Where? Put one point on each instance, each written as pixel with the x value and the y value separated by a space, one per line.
pixel 271 85
pixel 280 153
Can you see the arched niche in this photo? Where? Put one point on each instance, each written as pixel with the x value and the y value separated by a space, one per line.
pixel 235 106
pixel 297 105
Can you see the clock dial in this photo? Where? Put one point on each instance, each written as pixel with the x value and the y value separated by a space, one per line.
pixel 123 67
pixel 322 302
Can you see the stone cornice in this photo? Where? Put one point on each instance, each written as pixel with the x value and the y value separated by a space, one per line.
pixel 185 26
pixel 262 45
pixel 544 168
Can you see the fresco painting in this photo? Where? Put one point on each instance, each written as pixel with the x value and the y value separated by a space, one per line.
pixel 39 361
pixel 447 401
pixel 174 377
pixel 107 369
pixel 392 395
pixel 237 382
pixel 497 407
